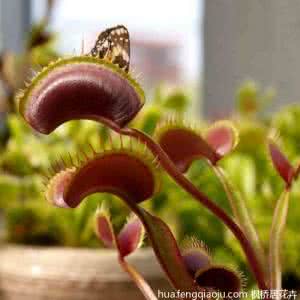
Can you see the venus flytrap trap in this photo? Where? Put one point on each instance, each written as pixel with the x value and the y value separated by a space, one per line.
pixel 120 94
pixel 131 236
pixel 103 226
pixel 195 255
pixel 100 87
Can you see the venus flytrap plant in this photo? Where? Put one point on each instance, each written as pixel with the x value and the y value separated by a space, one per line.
pixel 200 265
pixel 85 87
pixel 126 242
pixel 196 257
pixel 288 173
pixel 216 142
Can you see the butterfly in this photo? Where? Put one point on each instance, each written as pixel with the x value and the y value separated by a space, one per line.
pixel 113 44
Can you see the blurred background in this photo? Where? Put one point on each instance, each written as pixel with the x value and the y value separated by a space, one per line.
pixel 208 59
pixel 212 47
pixel 165 36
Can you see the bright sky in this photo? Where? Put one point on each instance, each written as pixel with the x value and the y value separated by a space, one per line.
pixel 156 19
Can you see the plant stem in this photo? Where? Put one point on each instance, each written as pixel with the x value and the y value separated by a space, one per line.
pixel 138 280
pixel 241 213
pixel 278 225
pixel 188 186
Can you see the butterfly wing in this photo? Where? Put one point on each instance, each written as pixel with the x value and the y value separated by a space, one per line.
pixel 102 45
pixel 114 44
pixel 121 47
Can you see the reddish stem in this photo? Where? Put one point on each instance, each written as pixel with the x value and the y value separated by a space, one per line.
pixel 171 169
